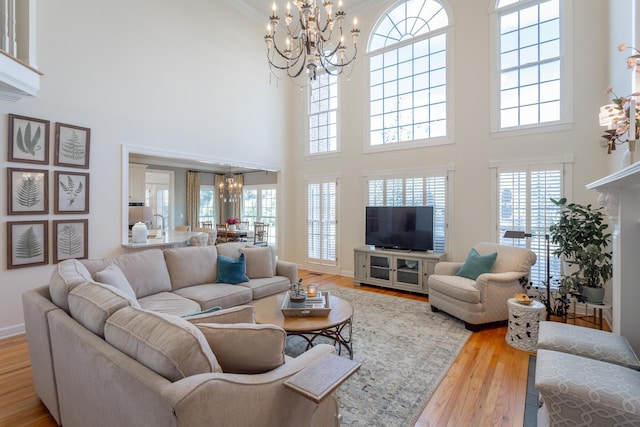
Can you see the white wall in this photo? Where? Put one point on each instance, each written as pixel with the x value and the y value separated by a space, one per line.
pixel 187 76
pixel 473 146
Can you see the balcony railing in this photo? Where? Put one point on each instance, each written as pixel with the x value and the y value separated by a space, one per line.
pixel 19 75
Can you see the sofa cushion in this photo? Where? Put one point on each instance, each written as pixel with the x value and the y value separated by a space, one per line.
pixel 267 286
pixel 245 348
pixel 587 342
pixel 457 287
pixel 113 276
pixel 259 261
pixel 213 294
pixel 232 270
pixel 477 264
pixel 146 271
pixel 190 266
pixel 231 249
pixel 91 304
pixel 169 303
pixel 168 345
pixel 65 276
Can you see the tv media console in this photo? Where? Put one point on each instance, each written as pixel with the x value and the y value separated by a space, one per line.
pixel 397 269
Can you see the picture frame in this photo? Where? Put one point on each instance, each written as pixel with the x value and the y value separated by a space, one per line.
pixel 72 145
pixel 70 239
pixel 27 191
pixel 71 193
pixel 27 243
pixel 28 140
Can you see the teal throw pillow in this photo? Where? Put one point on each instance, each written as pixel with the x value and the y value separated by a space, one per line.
pixel 231 270
pixel 477 264
pixel 211 310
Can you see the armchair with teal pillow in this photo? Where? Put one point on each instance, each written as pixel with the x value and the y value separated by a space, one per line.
pixel 476 291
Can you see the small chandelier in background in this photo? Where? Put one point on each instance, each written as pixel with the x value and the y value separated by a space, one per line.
pixel 309 44
pixel 230 189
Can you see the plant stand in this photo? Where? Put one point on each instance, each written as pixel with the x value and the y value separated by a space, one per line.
pixel 524 321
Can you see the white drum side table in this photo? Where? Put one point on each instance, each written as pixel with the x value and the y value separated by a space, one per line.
pixel 524 321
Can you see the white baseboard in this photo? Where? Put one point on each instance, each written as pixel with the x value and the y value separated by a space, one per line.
pixel 10 331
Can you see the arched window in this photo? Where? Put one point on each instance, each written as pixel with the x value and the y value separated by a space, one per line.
pixel 408 73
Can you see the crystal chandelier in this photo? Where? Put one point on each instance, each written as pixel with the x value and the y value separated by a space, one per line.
pixel 230 189
pixel 310 44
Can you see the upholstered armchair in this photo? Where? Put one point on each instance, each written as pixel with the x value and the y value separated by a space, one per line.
pixel 483 299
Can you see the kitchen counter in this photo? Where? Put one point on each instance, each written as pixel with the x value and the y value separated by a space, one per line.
pixel 170 239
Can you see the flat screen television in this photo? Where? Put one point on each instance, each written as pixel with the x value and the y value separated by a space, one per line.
pixel 400 227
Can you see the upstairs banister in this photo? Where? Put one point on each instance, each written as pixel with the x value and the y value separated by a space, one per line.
pixel 19 75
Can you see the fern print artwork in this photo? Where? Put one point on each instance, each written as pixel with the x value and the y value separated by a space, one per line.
pixel 29 191
pixel 72 146
pixel 72 192
pixel 27 243
pixel 70 239
pixel 28 139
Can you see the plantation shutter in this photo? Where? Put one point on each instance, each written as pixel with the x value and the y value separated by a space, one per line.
pixel 524 205
pixel 322 222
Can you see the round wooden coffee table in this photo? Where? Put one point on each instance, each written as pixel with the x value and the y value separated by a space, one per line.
pixel 335 326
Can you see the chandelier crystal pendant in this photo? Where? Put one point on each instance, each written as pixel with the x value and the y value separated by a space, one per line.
pixel 311 43
pixel 231 189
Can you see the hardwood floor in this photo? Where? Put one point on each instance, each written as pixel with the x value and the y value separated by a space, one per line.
pixel 486 386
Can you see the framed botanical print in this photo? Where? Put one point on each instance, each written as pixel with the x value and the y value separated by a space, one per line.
pixel 27 191
pixel 72 146
pixel 27 244
pixel 28 140
pixel 71 192
pixel 70 239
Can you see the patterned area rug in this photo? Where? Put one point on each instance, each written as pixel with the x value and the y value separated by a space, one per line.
pixel 405 351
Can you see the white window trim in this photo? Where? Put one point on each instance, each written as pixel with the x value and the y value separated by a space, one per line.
pixel 450 55
pixel 326 154
pixel 566 75
pixel 494 166
pixel 315 265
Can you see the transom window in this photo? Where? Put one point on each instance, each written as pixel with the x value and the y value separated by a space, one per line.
pixel 323 114
pixel 529 62
pixel 408 81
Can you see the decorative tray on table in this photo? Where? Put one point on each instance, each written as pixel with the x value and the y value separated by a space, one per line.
pixel 318 307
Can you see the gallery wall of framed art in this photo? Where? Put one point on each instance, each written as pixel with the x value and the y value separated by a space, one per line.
pixel 29 186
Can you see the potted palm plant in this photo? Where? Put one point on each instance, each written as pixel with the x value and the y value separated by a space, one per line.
pixel 583 243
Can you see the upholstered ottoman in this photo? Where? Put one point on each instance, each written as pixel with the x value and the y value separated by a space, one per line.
pixel 587 342
pixel 579 391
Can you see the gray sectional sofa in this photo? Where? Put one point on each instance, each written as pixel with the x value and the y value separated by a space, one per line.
pixel 131 340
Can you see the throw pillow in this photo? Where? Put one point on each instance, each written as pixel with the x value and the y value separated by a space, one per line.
pixel 231 270
pixel 166 344
pixel 245 348
pixel 477 264
pixel 259 262
pixel 65 276
pixel 113 276
pixel 211 310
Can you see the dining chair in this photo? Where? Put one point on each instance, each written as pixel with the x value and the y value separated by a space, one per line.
pixel 206 224
pixel 223 237
pixel 260 234
pixel 182 228
pixel 244 225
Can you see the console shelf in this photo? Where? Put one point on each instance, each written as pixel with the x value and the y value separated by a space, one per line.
pixel 397 269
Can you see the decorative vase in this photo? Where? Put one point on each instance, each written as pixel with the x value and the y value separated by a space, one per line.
pixel 593 295
pixel 232 227
pixel 297 300
pixel 139 232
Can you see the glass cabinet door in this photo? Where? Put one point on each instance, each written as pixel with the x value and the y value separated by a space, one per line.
pixel 408 271
pixel 379 267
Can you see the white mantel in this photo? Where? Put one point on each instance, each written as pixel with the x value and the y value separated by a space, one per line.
pixel 620 194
